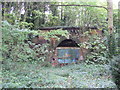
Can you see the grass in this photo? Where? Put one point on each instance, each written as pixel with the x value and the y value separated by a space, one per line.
pixel 27 75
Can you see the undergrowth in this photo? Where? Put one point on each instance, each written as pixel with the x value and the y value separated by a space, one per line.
pixel 27 75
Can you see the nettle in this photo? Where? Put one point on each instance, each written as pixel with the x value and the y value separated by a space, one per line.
pixel 98 50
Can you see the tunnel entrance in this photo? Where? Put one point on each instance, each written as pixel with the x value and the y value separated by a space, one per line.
pixel 68 51
pixel 68 43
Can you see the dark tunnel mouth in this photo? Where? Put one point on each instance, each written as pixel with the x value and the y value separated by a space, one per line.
pixel 68 43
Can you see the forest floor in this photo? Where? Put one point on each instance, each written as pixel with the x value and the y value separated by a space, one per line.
pixel 27 75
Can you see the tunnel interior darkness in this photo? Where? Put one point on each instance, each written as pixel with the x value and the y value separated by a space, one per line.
pixel 68 43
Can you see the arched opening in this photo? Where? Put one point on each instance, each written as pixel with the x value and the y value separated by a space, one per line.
pixel 68 51
pixel 68 43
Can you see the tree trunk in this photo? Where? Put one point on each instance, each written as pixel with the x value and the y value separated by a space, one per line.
pixel 3 6
pixel 110 15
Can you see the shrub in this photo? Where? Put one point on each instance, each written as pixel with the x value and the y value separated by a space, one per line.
pixel 10 18
pixel 98 50
pixel 14 47
pixel 115 67
pixel 24 25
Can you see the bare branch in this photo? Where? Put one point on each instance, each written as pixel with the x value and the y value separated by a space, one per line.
pixel 82 6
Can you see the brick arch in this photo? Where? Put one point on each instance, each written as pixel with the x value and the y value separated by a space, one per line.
pixel 68 43
pixel 64 38
pixel 72 41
